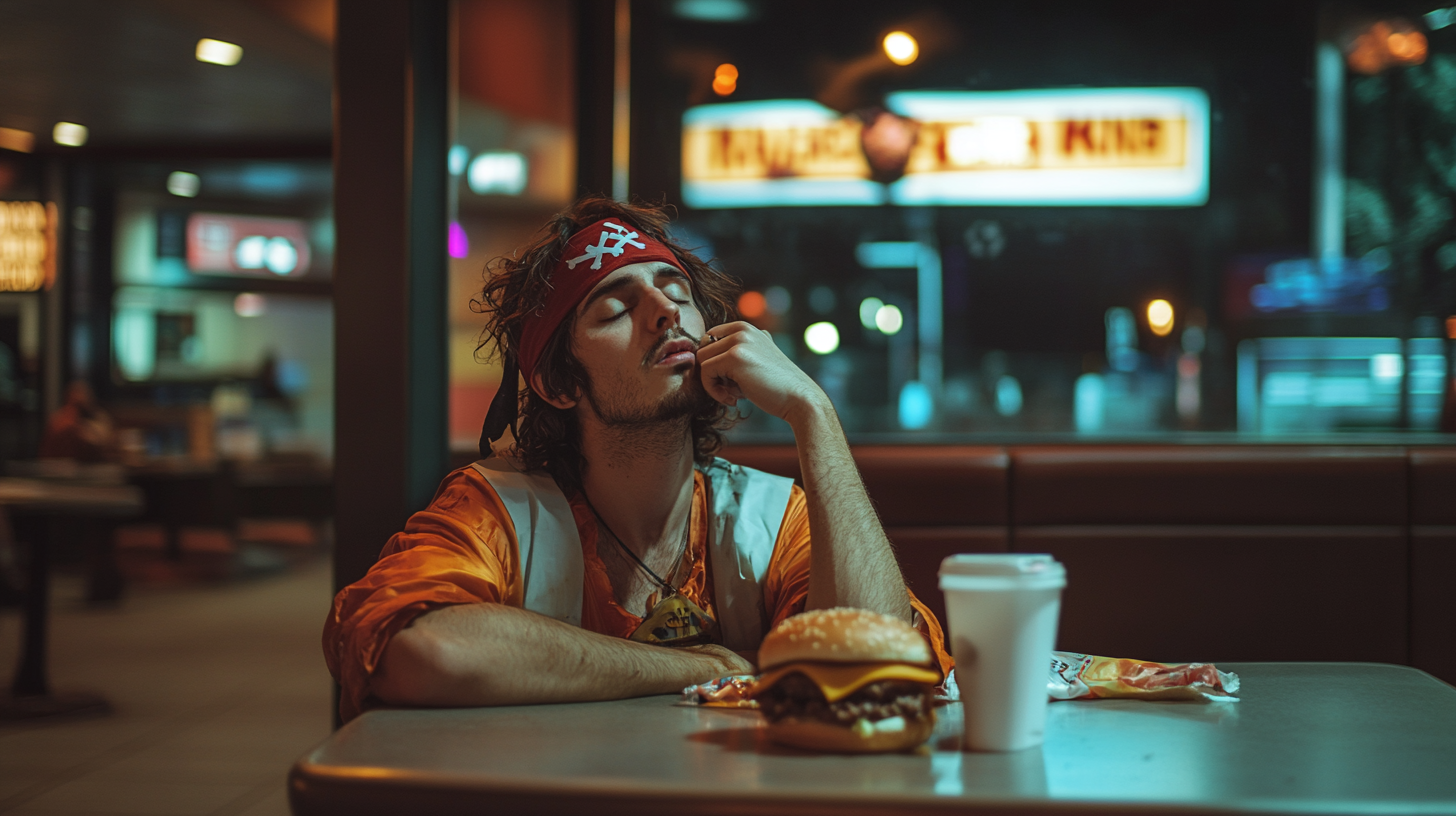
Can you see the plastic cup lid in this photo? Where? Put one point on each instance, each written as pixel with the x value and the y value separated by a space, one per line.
pixel 1009 566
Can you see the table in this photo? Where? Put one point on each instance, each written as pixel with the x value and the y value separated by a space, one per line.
pixel 31 695
pixel 1306 737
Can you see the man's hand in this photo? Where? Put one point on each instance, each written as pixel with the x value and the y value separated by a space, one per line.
pixel 742 362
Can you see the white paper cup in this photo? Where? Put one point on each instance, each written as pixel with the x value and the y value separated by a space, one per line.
pixel 1002 612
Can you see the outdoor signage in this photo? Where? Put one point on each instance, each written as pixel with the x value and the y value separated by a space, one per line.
pixel 27 246
pixel 1080 147
pixel 247 245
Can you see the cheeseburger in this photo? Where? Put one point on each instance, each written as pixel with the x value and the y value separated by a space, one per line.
pixel 846 680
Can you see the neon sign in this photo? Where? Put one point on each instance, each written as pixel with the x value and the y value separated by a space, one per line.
pixel 1133 146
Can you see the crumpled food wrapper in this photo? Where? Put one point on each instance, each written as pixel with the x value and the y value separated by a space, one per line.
pixel 1079 676
pixel 726 692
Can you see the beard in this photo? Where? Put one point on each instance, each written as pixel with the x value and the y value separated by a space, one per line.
pixel 619 405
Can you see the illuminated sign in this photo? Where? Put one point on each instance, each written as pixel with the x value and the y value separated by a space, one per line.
pixel 247 245
pixel 1134 146
pixel 27 246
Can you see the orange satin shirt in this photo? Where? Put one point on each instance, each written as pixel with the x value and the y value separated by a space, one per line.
pixel 462 550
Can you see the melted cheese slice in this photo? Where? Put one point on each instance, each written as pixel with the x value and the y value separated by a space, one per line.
pixel 839 680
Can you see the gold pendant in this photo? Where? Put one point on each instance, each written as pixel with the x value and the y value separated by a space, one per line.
pixel 676 621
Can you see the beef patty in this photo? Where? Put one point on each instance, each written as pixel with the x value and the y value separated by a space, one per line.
pixel 799 697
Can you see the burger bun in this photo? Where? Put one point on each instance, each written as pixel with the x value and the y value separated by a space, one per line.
pixel 813 735
pixel 843 635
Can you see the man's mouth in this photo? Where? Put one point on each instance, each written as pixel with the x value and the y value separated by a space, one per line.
pixel 677 352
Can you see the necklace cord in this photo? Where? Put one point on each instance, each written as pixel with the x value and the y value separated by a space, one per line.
pixel 687 536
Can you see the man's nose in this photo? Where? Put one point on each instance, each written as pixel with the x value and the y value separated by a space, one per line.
pixel 665 312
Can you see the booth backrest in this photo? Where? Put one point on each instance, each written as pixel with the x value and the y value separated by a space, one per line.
pixel 1210 485
pixel 1433 561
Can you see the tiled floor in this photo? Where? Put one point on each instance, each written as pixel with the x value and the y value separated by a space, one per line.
pixel 217 691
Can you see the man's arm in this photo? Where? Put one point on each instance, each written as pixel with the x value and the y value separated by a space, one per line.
pixel 851 562
pixel 492 654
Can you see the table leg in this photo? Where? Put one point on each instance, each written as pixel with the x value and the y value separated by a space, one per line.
pixel 30 676
pixel 30 696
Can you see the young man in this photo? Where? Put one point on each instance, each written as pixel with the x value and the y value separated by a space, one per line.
pixel 603 528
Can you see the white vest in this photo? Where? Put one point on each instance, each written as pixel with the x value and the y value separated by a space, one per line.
pixel 747 509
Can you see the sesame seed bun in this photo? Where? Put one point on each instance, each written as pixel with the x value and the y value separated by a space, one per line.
pixel 843 635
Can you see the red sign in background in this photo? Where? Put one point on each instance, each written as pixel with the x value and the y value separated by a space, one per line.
pixel 246 245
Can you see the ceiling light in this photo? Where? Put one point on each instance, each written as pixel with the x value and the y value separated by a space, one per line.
pixel 1160 317
pixel 21 141
pixel 69 134
pixel 184 184
pixel 901 48
pixel 218 52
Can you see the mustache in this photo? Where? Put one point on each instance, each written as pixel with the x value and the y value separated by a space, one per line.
pixel 667 337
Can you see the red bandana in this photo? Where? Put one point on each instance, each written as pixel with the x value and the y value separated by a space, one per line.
pixel 593 253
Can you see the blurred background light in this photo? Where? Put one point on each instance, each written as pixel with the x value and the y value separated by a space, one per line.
pixel 752 305
pixel 69 134
pixel 251 252
pixel 1386 43
pixel 916 406
pixel 218 52
pixel 778 299
pixel 1121 339
pixel 459 242
pixel 887 254
pixel 1194 339
pixel 249 304
pixel 281 257
pixel 1160 317
pixel 1440 18
pixel 182 183
pixel 822 300
pixel 869 309
pixel 498 172
pixel 21 141
pixel 1386 367
pixel 889 319
pixel 725 79
pixel 1451 328
pixel 713 11
pixel 1008 396
pixel 457 159
pixel 1089 400
pixel 901 48
pixel 822 337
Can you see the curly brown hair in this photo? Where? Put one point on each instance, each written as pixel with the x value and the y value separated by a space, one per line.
pixel 549 438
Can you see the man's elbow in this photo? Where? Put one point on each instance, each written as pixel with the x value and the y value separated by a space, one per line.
pixel 418 668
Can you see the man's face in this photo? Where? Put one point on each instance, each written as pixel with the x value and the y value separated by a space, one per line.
pixel 637 334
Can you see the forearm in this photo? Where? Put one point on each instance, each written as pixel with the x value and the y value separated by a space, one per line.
pixel 851 561
pixel 492 654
